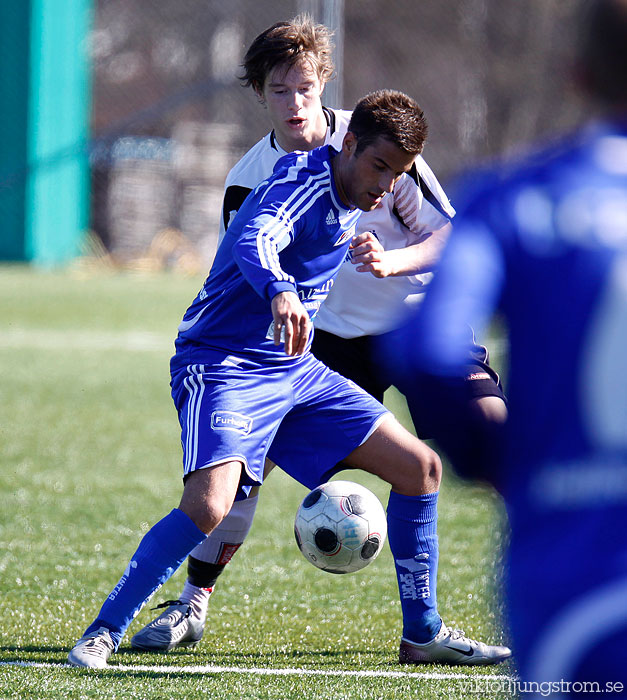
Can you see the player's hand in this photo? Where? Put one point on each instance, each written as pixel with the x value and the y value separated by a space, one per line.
pixel 370 256
pixel 290 317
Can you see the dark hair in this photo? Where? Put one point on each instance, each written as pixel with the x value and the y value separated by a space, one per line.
pixel 392 115
pixel 288 43
pixel 602 54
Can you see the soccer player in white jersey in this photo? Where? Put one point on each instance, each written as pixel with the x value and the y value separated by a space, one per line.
pixel 542 240
pixel 398 240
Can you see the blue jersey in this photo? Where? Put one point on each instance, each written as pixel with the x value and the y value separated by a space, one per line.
pixel 545 243
pixel 291 234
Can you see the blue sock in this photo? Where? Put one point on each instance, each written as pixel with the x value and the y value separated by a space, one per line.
pixel 413 536
pixel 160 553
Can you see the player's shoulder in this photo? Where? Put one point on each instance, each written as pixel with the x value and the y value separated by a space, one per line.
pixel 304 162
pixel 540 164
pixel 256 164
pixel 508 192
pixel 421 178
pixel 575 156
pixel 301 182
pixel 422 168
pixel 338 120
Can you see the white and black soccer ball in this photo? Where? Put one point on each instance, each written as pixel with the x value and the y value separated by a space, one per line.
pixel 340 527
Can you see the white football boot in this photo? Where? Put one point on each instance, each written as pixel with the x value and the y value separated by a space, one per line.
pixel 177 626
pixel 93 650
pixel 451 647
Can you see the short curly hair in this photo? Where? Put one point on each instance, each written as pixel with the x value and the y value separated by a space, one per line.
pixel 287 43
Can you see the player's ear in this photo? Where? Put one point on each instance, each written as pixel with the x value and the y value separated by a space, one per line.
pixel 259 92
pixel 349 145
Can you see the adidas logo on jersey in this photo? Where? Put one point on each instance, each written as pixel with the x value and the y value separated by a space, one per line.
pixel 331 219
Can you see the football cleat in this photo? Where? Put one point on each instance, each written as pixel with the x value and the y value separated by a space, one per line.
pixel 451 647
pixel 93 650
pixel 177 626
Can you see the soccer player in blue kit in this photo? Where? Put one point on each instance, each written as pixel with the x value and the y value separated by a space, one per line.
pixel 385 274
pixel 244 382
pixel 543 240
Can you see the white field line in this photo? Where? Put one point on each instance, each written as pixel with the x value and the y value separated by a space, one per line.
pixel 43 339
pixel 204 670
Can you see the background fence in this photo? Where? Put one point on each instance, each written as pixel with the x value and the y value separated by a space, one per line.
pixel 168 117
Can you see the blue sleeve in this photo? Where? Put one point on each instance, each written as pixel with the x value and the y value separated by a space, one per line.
pixel 465 292
pixel 256 251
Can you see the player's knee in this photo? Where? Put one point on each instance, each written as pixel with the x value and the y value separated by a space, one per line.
pixel 395 455
pixel 432 468
pixel 490 410
pixel 205 515
pixel 429 471
pixel 422 473
pixel 209 494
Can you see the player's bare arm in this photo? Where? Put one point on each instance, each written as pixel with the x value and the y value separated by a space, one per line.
pixel 370 255
pixel 291 318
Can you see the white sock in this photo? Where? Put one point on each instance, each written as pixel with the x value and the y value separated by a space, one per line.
pixel 198 598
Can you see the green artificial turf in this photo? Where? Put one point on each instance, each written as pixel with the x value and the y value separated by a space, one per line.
pixel 90 459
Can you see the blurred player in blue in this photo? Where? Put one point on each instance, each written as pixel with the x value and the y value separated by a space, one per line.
pixel 544 242
pixel 244 382
pixel 384 276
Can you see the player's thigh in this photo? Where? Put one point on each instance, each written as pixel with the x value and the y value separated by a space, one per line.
pixel 331 418
pixel 229 414
pixel 400 458
pixel 436 407
pixel 489 409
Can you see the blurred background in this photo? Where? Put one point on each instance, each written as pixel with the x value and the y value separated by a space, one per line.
pixel 121 118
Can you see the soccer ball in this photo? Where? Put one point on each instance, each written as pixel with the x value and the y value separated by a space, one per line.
pixel 340 527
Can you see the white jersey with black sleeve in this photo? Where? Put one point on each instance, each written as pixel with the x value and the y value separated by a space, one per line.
pixel 359 304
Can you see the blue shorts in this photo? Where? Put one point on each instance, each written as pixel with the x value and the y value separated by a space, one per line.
pixel 302 415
